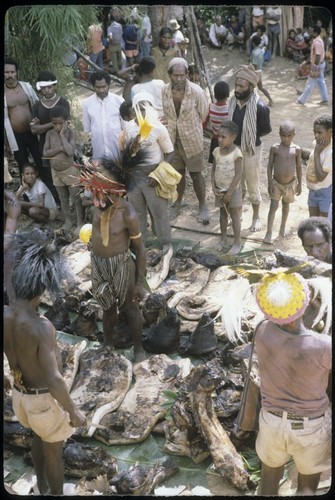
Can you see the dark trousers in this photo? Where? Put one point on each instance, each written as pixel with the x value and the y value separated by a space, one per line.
pixel 27 143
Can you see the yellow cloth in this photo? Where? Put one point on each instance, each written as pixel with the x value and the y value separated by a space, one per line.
pixel 104 225
pixel 167 178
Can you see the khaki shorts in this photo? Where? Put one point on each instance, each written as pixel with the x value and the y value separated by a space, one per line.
pixel 286 192
pixel 43 415
pixel 310 447
pixel 65 177
pixel 180 162
pixel 235 200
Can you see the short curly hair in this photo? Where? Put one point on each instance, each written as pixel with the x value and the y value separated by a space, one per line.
pixel 326 120
pixel 314 223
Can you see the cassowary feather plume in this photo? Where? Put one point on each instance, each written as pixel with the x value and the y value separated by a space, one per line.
pixel 39 265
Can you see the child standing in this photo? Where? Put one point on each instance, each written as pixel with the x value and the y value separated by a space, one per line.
pixel 319 173
pixel 218 112
pixel 226 177
pixel 284 176
pixel 257 58
pixel 35 197
pixel 59 148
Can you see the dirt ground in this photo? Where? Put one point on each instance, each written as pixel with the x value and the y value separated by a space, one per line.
pixel 279 80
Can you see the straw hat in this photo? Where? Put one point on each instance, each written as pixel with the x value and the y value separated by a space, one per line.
pixel 282 297
pixel 174 24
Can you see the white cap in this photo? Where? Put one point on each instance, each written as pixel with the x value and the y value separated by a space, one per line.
pixel 143 95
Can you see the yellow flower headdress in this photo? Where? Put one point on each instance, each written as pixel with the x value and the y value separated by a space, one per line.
pixel 282 297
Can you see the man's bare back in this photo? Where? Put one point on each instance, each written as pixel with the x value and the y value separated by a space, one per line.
pixel 18 109
pixel 285 162
pixel 27 335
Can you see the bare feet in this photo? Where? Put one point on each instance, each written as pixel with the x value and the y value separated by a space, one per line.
pixel 283 232
pixel 204 216
pixel 255 225
pixel 235 249
pixel 268 239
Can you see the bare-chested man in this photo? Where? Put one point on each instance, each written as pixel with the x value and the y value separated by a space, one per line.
pixel 284 176
pixel 117 279
pixel 19 100
pixel 41 400
pixel 185 107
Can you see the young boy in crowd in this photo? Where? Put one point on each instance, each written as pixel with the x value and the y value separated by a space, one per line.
pixel 257 59
pixel 59 148
pixel 226 177
pixel 284 176
pixel 319 173
pixel 218 112
pixel 35 197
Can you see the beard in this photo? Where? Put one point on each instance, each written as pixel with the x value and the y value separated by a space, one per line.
pixel 242 96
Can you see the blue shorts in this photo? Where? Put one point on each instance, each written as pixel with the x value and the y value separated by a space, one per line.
pixel 320 198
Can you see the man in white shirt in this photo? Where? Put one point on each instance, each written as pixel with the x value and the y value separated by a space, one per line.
pixel 101 117
pixel 154 86
pixel 217 33
pixel 142 193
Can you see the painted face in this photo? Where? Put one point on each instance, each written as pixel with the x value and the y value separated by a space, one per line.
pixel 29 176
pixel 243 89
pixel 286 136
pixel 322 135
pixel 315 245
pixel 178 77
pixel 10 75
pixel 101 88
pixel 48 91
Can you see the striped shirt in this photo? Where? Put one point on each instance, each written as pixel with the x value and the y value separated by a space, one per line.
pixel 216 115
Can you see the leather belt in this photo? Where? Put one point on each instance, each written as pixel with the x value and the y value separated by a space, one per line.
pixel 31 391
pixel 291 416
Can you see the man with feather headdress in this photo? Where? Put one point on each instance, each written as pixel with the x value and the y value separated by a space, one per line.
pixel 41 400
pixel 117 279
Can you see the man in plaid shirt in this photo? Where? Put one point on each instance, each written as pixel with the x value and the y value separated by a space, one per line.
pixel 185 107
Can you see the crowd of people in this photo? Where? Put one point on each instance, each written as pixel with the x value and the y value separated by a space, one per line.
pixel 143 145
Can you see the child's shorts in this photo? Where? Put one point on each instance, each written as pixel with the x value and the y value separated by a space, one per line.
pixel 66 177
pixel 284 192
pixel 235 200
pixel 320 198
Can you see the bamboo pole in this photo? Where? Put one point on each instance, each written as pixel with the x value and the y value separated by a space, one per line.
pixel 198 45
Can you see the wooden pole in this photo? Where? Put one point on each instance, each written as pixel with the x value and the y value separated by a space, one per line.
pixel 95 66
pixel 198 47
pixel 194 47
